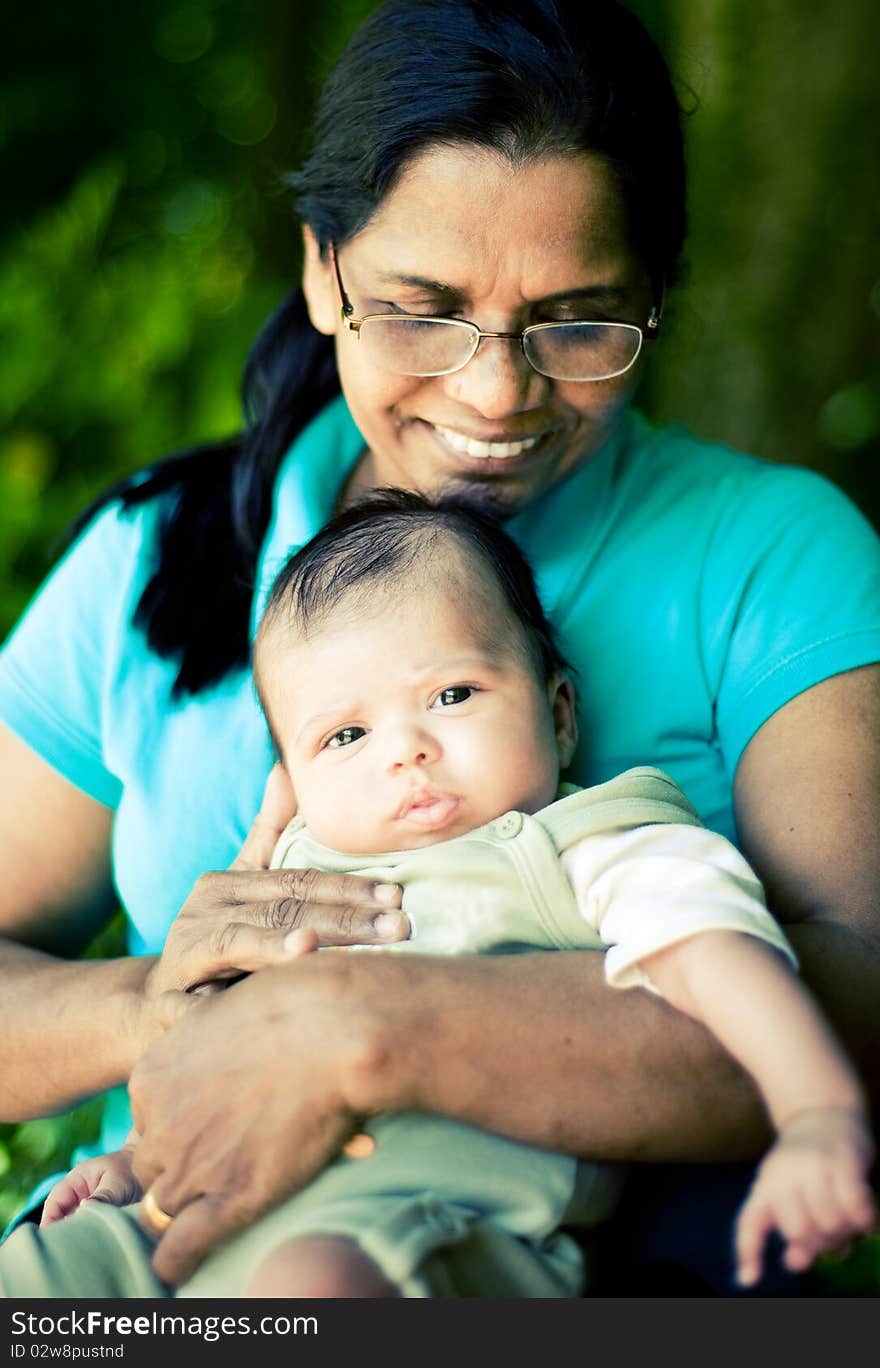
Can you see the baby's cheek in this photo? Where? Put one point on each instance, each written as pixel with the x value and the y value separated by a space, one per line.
pixel 349 823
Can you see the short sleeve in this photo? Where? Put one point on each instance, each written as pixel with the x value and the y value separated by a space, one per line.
pixel 650 887
pixel 791 597
pixel 57 667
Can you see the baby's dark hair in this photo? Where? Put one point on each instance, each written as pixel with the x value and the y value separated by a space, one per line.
pixel 386 538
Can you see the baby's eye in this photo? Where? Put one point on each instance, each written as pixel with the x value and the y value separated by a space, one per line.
pixel 346 735
pixel 459 693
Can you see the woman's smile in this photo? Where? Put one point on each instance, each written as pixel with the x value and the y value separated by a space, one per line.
pixel 502 448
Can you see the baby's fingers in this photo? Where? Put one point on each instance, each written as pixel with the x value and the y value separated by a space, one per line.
pixel 117 1189
pixel 856 1200
pixel 839 1205
pixel 64 1198
pixel 803 1239
pixel 756 1220
pixel 58 1205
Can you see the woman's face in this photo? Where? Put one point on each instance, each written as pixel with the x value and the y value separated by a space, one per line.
pixel 466 235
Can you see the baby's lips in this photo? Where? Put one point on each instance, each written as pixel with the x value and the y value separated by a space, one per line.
pixel 429 808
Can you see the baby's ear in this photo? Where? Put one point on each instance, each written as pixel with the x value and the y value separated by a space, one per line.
pixel 562 703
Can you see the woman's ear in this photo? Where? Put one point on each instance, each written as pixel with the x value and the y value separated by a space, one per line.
pixel 562 703
pixel 319 286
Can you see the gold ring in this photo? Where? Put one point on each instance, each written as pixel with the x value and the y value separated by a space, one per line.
pixel 158 1219
pixel 361 1145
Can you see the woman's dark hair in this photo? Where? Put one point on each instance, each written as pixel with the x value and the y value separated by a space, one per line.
pixel 391 537
pixel 525 78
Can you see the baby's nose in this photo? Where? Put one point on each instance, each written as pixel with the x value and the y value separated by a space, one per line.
pixel 412 746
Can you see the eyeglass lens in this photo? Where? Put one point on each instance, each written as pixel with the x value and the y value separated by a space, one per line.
pixel 583 351
pixel 435 346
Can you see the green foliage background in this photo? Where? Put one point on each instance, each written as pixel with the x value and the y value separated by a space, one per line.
pixel 147 236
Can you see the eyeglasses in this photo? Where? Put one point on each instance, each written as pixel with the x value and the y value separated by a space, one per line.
pixel 410 344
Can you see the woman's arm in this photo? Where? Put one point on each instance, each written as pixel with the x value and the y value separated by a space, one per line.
pixel 808 810
pixel 750 999
pixel 58 1047
pixel 73 1028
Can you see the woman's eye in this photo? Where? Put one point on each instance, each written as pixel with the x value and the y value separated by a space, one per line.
pixel 569 316
pixel 346 736
pixel 423 310
pixel 459 693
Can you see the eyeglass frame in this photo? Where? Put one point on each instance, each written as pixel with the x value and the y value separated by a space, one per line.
pixel 648 333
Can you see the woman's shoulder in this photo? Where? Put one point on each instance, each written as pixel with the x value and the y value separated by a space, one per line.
pixel 101 555
pixel 715 469
pixel 60 665
pixel 117 526
pixel 730 501
pixel 107 560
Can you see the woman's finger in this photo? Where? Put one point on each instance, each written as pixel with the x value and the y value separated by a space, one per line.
pixel 271 951
pixel 275 937
pixel 297 886
pixel 276 810
pixel 199 1226
pixel 340 926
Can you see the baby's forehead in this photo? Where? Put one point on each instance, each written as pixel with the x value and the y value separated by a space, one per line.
pixel 444 581
pixel 439 609
pixel 444 602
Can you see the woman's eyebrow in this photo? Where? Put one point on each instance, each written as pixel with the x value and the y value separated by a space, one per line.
pixel 613 296
pixel 418 282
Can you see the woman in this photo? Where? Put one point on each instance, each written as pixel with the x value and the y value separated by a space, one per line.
pixel 512 167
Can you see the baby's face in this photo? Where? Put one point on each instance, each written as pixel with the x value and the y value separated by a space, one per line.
pixel 412 724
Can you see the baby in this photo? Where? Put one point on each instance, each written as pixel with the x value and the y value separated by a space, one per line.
pixel 421 707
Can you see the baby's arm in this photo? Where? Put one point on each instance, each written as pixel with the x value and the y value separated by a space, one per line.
pixel 106 1178
pixel 812 1184
pixel 684 914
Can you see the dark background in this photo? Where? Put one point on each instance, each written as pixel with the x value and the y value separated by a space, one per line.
pixel 146 236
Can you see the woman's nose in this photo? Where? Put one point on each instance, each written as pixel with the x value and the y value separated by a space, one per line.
pixel 498 380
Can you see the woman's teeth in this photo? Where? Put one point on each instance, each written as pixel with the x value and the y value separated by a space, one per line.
pixel 496 451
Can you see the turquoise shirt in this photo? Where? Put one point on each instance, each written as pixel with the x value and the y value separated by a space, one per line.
pixel 695 590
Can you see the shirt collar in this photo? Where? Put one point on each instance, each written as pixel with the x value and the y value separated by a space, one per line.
pixel 323 455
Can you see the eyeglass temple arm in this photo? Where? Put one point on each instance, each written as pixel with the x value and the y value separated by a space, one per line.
pixel 655 317
pixel 347 306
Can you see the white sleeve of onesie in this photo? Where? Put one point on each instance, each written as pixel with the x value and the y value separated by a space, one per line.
pixel 645 888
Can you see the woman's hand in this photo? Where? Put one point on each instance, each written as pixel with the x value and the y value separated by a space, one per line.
pixel 241 919
pixel 246 1099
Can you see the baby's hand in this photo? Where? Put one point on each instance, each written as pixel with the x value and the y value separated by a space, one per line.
pixel 812 1187
pixel 108 1178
